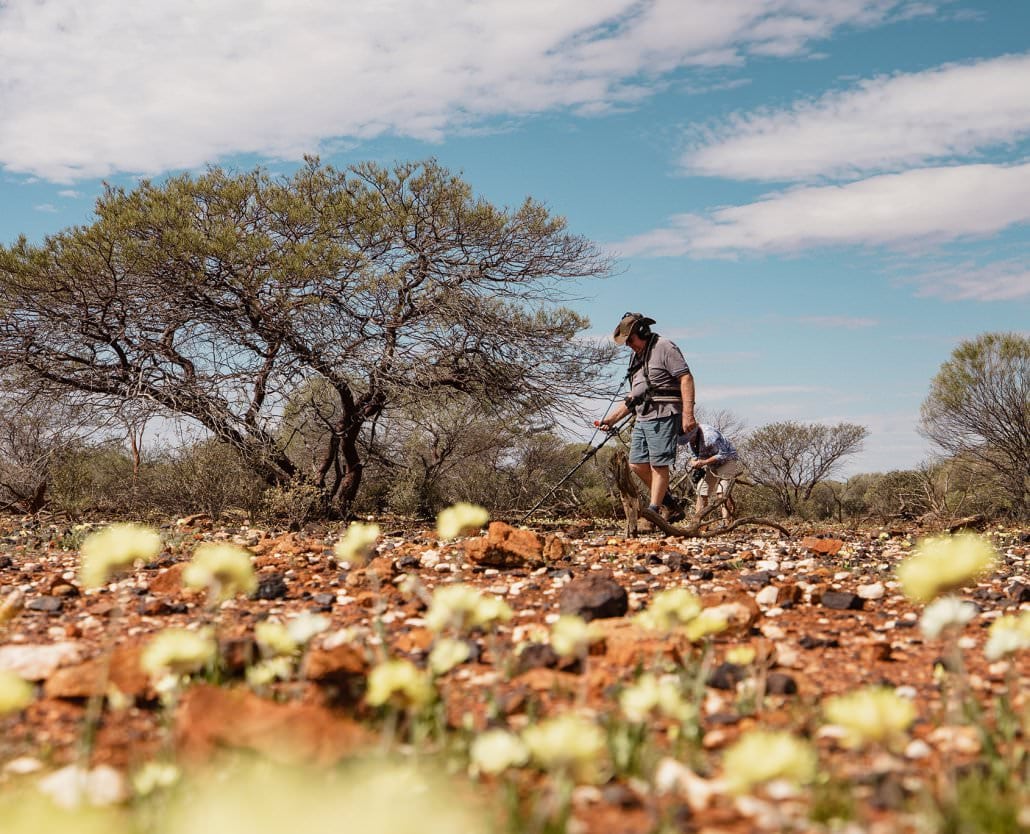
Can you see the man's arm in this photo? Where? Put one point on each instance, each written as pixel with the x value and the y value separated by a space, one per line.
pixel 687 395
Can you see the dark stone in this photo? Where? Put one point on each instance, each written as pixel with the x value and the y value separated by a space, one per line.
pixel 809 642
pixel 272 586
pixel 51 605
pixel 324 601
pixel 674 561
pixel 559 573
pixel 536 656
pixel 780 683
pixel 405 563
pixel 702 575
pixel 726 676
pixel 723 719
pixel 6 561
pixel 1018 592
pixel 594 596
pixel 620 796
pixel 757 580
pixel 841 601
pixel 154 607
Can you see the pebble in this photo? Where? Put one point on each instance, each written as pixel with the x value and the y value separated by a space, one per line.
pixel 768 595
pixel 430 559
pixel 874 590
pixel 917 749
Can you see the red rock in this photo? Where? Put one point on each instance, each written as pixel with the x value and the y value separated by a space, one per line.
pixel 85 680
pixel 210 718
pixel 826 547
pixel 504 546
pixel 738 609
pixel 415 640
pixel 554 547
pixel 626 643
pixel 333 665
pixel 168 581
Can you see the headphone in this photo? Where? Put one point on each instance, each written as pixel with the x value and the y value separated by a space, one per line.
pixel 642 326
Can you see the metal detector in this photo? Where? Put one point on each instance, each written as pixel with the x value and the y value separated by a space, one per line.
pixel 587 455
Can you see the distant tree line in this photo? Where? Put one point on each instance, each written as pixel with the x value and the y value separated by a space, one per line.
pixel 381 340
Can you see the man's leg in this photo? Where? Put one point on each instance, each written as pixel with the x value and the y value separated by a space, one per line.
pixel 642 471
pixel 659 484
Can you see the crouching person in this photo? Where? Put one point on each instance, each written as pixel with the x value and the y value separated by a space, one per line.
pixel 717 458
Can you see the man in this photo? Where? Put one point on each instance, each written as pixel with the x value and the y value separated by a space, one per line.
pixel 716 457
pixel 662 398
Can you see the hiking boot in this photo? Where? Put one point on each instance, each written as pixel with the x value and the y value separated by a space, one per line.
pixel 672 510
pixel 673 515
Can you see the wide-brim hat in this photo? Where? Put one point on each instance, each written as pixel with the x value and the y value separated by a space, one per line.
pixel 626 325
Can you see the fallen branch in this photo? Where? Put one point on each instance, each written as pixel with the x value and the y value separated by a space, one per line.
pixel 696 531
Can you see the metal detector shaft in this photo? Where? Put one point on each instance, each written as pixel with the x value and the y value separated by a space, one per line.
pixel 589 453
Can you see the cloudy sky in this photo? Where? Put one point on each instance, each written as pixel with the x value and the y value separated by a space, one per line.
pixel 818 199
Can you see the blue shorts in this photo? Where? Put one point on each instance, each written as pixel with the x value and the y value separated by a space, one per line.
pixel 654 441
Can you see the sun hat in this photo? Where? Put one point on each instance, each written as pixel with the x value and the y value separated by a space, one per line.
pixel 626 325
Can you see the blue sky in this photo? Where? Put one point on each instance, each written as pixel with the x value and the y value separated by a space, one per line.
pixel 817 199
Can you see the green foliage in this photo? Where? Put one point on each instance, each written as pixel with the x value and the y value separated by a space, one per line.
pixel 217 298
pixel 979 406
pixel 790 458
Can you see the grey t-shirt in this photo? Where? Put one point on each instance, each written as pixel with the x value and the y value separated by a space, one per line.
pixel 665 365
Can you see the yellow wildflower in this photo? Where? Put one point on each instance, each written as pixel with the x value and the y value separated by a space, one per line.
pixel 872 714
pixel 178 651
pixel 114 548
pixel 705 624
pixel 374 795
pixel 273 669
pixel 223 569
pixel 566 743
pixel 447 654
pixel 944 613
pixel 670 609
pixel 154 775
pixel 495 751
pixel 399 681
pixel 944 563
pixel 761 756
pixel 741 655
pixel 305 626
pixel 274 639
pixel 1008 634
pixel 462 607
pixel 571 636
pixel 651 695
pixel 460 518
pixel 357 542
pixel 15 693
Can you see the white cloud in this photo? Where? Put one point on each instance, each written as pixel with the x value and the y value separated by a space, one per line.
pixel 69 193
pixel 1002 281
pixel 883 124
pixel 923 206
pixel 46 208
pixel 141 87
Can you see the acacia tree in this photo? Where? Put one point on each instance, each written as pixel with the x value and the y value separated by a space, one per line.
pixel 979 408
pixel 790 458
pixel 215 297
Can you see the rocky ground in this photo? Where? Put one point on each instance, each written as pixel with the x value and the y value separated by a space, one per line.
pixel 821 610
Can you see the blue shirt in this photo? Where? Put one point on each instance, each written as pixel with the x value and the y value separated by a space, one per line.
pixel 709 442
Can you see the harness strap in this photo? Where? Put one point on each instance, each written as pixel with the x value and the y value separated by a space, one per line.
pixel 653 394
